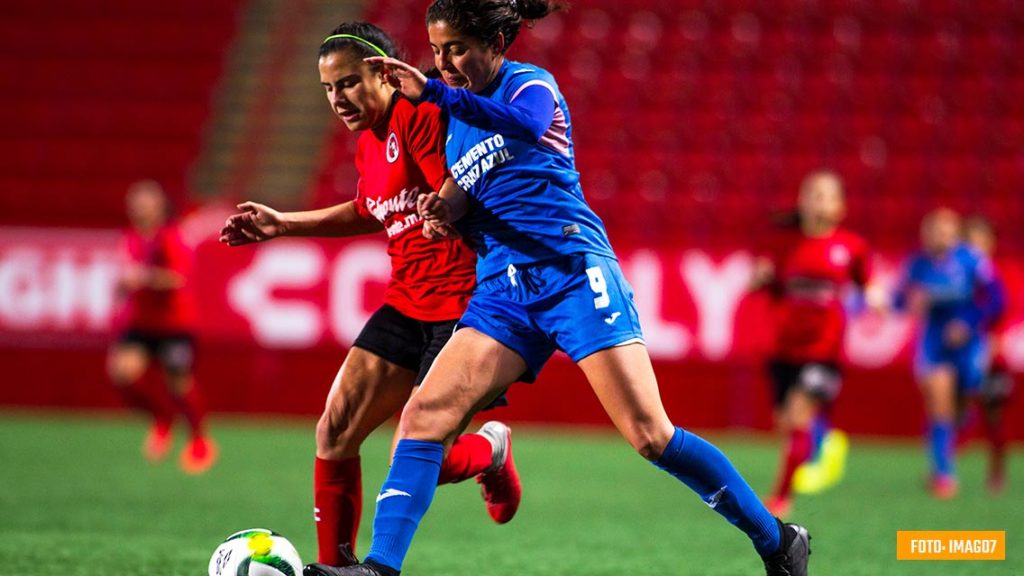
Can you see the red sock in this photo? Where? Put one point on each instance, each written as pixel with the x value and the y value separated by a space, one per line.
pixel 470 455
pixel 191 405
pixel 338 504
pixel 797 452
pixel 136 397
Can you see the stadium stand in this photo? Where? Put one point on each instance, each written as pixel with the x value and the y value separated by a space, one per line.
pixel 915 103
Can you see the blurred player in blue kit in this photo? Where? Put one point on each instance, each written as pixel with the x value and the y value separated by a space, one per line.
pixel 952 288
pixel 547 279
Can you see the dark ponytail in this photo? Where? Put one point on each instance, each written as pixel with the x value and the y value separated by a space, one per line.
pixel 364 38
pixel 486 19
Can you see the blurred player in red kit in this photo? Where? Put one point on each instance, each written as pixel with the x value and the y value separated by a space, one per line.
pixel 807 272
pixel 400 156
pixel 997 386
pixel 157 323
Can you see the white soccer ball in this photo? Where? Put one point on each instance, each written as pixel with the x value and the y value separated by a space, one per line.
pixel 255 552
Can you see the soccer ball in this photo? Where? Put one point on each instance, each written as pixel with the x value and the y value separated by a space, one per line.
pixel 255 552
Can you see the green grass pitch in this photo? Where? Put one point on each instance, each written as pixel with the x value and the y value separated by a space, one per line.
pixel 76 498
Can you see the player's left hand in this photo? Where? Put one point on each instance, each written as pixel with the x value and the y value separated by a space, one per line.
pixel 407 78
pixel 956 334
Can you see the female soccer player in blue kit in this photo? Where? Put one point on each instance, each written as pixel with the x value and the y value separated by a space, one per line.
pixel 547 278
pixel 952 287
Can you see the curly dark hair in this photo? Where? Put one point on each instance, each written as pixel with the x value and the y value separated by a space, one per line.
pixel 486 19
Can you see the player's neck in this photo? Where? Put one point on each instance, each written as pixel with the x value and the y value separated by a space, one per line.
pixel 813 229
pixel 380 129
pixel 489 84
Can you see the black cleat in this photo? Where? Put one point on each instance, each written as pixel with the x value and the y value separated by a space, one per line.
pixel 791 559
pixel 353 570
pixel 347 559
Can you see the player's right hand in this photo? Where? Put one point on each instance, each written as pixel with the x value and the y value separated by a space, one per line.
pixel 433 208
pixel 255 223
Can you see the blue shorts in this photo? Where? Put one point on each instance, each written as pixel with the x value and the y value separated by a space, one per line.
pixel 579 304
pixel 970 361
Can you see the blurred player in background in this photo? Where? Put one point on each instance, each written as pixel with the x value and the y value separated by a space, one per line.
pixel 952 289
pixel 997 386
pixel 548 280
pixel 811 265
pixel 400 156
pixel 158 320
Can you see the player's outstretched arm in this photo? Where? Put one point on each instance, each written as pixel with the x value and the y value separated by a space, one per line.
pixel 528 116
pixel 258 223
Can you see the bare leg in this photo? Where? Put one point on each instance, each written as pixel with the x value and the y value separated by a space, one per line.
pixel 623 379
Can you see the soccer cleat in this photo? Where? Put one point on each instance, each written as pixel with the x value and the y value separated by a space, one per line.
pixel 368 569
pixel 199 455
pixel 809 478
pixel 794 550
pixel 834 448
pixel 943 486
pixel 347 558
pixel 779 506
pixel 158 442
pixel 500 485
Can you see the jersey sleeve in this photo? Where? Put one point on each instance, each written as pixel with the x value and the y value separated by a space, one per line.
pixel 360 199
pixel 178 257
pixel 990 296
pixel 860 264
pixel 527 115
pixel 773 248
pixel 908 277
pixel 424 137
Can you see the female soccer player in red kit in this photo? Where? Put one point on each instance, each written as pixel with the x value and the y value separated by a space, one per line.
pixel 807 272
pixel 158 320
pixel 400 156
pixel 997 387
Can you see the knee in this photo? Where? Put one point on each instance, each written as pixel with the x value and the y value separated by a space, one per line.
pixel 426 420
pixel 650 442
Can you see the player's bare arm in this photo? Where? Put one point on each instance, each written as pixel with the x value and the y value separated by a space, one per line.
pixel 258 223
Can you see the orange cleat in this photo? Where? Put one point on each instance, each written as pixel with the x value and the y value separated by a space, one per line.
pixel 500 485
pixel 778 506
pixel 158 442
pixel 944 486
pixel 199 455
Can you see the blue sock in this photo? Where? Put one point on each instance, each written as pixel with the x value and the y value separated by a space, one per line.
pixel 940 439
pixel 707 471
pixel 404 499
pixel 819 429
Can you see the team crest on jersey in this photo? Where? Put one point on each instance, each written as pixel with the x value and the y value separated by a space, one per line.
pixel 391 151
pixel 839 255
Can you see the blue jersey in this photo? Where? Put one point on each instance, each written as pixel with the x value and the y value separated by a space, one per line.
pixel 525 200
pixel 958 286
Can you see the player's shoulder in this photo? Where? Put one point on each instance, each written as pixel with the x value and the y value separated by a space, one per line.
pixel 968 254
pixel 851 239
pixel 408 116
pixel 520 74
pixel 917 261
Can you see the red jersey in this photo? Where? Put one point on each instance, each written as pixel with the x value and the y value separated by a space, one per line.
pixel 160 311
pixel 810 277
pixel 431 280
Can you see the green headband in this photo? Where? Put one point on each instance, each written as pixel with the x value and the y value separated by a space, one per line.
pixel 375 48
